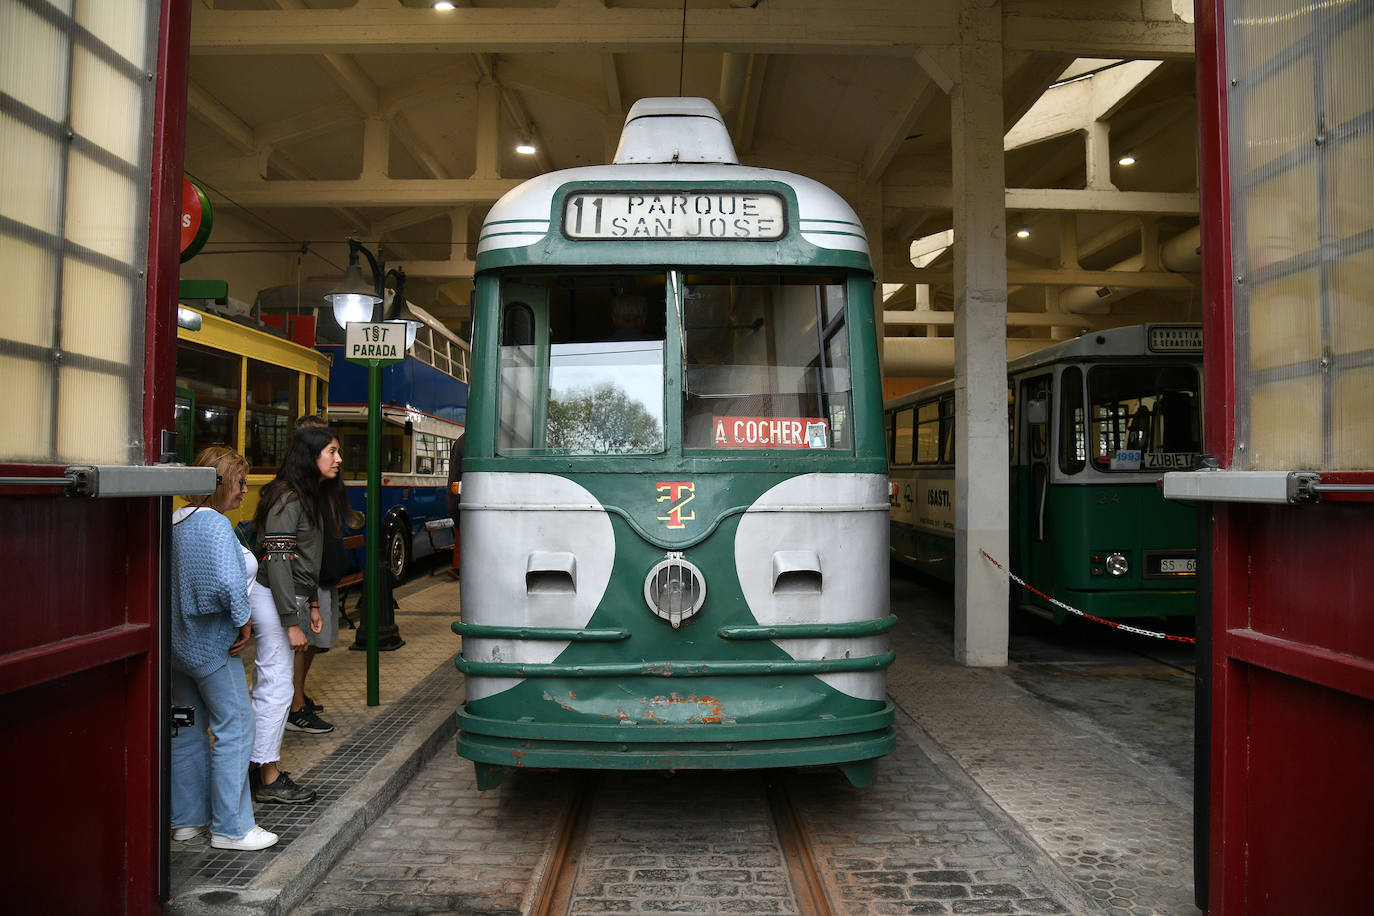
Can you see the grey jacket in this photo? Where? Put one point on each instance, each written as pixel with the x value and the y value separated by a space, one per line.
pixel 291 561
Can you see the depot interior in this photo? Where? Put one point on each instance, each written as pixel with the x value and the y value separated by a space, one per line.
pixel 404 142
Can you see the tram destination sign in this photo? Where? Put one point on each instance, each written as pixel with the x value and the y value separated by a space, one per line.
pixel 1175 339
pixel 719 215
pixel 379 342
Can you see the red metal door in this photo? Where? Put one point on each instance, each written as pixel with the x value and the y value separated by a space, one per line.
pixel 82 710
pixel 1286 103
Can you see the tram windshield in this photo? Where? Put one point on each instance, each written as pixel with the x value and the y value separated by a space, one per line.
pixel 766 363
pixel 582 366
pixel 1140 418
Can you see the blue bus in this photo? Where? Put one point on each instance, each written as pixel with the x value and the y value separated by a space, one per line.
pixel 424 410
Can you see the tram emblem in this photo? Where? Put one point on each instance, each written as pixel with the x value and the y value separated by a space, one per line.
pixel 673 495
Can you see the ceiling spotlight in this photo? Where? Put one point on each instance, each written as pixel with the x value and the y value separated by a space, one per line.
pixel 1127 159
pixel 1023 233
pixel 443 5
pixel 525 149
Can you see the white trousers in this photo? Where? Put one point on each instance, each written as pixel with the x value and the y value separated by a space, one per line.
pixel 272 684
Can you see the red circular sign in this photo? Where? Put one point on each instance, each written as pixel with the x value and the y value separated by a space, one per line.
pixel 196 219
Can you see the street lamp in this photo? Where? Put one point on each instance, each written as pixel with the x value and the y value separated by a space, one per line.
pixel 354 301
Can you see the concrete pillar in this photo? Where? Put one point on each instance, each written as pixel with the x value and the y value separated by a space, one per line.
pixel 376 148
pixel 1098 153
pixel 488 130
pixel 980 335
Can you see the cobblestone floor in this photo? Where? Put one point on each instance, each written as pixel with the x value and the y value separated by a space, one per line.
pixel 444 847
pixel 914 842
pixel 693 842
pixel 697 843
pixel 1119 830
pixel 1010 792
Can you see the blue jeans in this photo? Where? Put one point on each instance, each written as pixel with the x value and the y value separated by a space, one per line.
pixel 211 786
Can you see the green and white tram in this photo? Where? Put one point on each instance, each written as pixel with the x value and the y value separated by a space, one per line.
pixel 1094 423
pixel 674 498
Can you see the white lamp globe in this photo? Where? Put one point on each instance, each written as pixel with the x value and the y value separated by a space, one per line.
pixel 352 298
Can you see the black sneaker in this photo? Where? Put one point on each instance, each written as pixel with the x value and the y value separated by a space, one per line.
pixel 283 792
pixel 303 720
pixel 311 705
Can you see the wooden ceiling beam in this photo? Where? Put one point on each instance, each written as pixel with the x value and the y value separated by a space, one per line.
pixel 1108 28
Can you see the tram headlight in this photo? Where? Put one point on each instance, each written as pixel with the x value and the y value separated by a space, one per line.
pixel 675 589
pixel 1118 565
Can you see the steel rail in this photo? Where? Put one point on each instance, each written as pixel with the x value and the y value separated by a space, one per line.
pixel 554 894
pixel 808 887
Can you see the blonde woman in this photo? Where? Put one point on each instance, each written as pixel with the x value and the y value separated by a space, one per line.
pixel 210 579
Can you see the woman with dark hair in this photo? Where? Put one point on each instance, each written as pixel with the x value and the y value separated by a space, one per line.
pixel 294 511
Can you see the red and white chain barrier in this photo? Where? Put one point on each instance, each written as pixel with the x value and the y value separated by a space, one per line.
pixel 1073 610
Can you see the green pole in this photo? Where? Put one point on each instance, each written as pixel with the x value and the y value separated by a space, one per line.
pixel 372 577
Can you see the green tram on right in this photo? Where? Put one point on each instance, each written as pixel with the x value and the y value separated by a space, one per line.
pixel 1093 424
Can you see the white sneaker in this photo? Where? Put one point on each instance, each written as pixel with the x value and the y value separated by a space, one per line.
pixel 182 834
pixel 255 839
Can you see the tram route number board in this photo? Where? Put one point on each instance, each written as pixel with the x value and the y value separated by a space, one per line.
pixel 674 216
pixel 379 342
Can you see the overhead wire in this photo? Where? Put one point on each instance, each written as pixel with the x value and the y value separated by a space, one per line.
pixel 286 236
pixel 682 50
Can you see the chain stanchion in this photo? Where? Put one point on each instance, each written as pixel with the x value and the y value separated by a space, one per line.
pixel 1075 611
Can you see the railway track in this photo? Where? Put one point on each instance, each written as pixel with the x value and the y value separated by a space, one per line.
pixel 764 815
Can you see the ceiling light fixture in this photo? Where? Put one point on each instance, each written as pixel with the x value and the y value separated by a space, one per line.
pixel 1023 233
pixel 444 5
pixel 525 149
pixel 1127 159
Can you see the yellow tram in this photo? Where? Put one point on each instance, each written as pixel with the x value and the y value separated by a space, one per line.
pixel 245 388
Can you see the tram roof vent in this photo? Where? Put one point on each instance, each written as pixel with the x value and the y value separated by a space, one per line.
pixel 674 130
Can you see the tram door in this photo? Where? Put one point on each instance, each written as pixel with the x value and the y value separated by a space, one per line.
pixel 1286 101
pixel 1033 532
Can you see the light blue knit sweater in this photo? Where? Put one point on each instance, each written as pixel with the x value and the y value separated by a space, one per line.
pixel 209 592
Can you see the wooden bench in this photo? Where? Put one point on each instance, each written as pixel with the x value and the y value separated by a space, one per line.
pixel 353 577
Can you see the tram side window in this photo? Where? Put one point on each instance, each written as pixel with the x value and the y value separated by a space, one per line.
pixel 213 377
pixel 271 410
pixel 928 433
pixel 431 454
pixel 422 349
pixel 582 365
pixel 901 453
pixel 441 360
pixel 1011 423
pixel 766 363
pixel 353 444
pixel 519 376
pixel 947 429
pixel 1144 417
pixel 1035 399
pixel 1073 446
